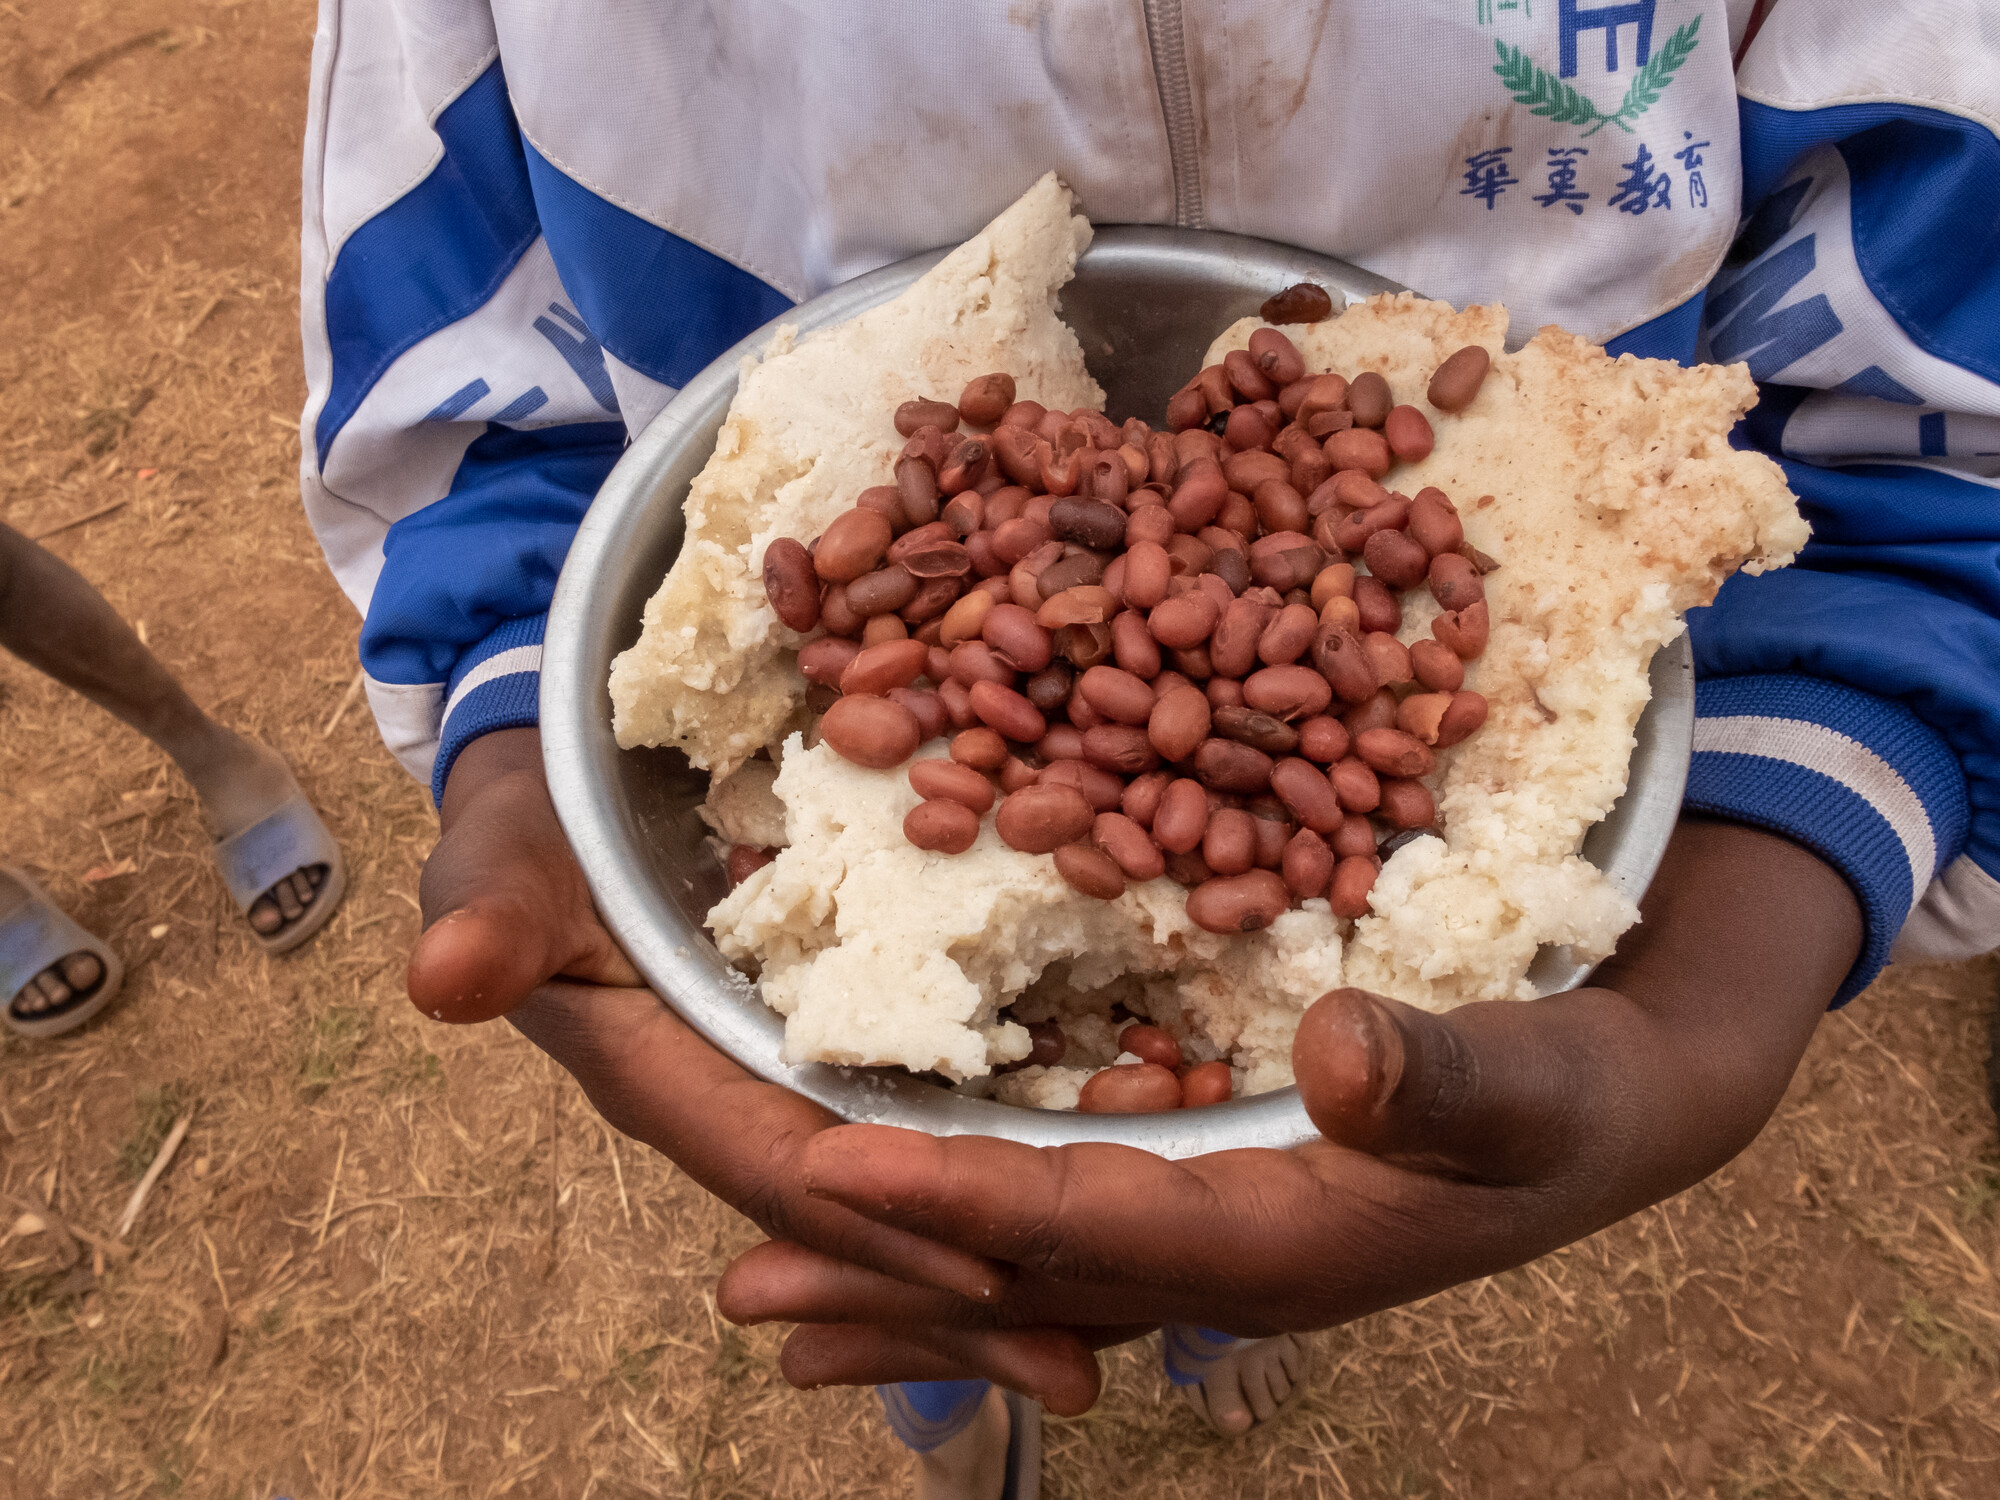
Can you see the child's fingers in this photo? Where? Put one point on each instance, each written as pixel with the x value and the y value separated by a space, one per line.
pixel 783 1282
pixel 1502 1093
pixel 655 1079
pixel 1053 1365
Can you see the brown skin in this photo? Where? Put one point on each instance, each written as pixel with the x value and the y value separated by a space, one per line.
pixel 1456 1146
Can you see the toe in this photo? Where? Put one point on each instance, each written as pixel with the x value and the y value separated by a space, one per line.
pixel 288 903
pixel 1277 1384
pixel 54 991
pixel 264 916
pixel 82 971
pixel 1226 1406
pixel 317 875
pixel 28 1000
pixel 302 888
pixel 1257 1390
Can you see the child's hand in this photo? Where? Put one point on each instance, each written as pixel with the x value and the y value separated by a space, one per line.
pixel 1457 1146
pixel 511 931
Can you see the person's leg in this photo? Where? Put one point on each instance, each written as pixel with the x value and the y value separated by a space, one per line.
pixel 54 620
pixel 957 1429
pixel 1234 1383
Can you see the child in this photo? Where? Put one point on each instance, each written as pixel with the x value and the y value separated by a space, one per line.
pixel 525 227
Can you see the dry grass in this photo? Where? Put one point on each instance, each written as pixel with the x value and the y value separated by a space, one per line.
pixel 397 1260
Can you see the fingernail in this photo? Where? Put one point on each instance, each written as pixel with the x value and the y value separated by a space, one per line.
pixel 1387 1054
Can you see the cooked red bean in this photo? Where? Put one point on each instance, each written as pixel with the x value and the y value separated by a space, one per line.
pixel 1129 846
pixel 1245 378
pixel 963 620
pixel 1323 738
pixel 1123 748
pixel 1011 634
pixel 1064 741
pixel 912 415
pixel 1455 582
pixel 1421 713
pixel 953 782
pixel 1040 819
pixel 882 592
pixel 873 732
pixel 1017 773
pixel 1182 817
pixel 1379 606
pixel 1302 302
pixel 1277 356
pixel 887 502
pixel 1229 843
pixel 1437 666
pixel 944 827
pixel 934 597
pixel 1307 865
pixel 1340 658
pixel 1117 694
pixel 882 628
pixel 1150 1044
pixel 1457 380
pixel 1133 646
pixel 1148 571
pixel 1287 692
pixel 1407 804
pixel 1089 523
pixel 1369 399
pixel 892 664
pixel 986 399
pixel 1252 727
pixel 1408 433
pixel 1307 794
pixel 1248 427
pixel 1464 630
pixel 1140 801
pixel 1355 785
pixel 1396 558
pixel 1019 538
pixel 1465 714
pixel 982 749
pixel 1229 767
pixel 1376 711
pixel 1210 1082
pixel 1391 752
pixel 963 514
pixel 1091 871
pixel 791 584
pixel 1238 903
pixel 1129 1089
pixel 1288 635
pixel 1050 688
pixel 746 860
pixel 1388 656
pixel 1355 835
pixel 1353 879
pixel 1434 522
pixel 1047 1044
pixel 853 543
pixel 1272 834
pixel 1233 646
pixel 1100 788
pixel 1082 604
pixel 1359 448
pixel 825 659
pixel 1083 646
pixel 1007 711
pixel 1183 622
pixel 974 661
pixel 917 488
pixel 957 703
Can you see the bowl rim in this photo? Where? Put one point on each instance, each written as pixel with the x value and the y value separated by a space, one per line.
pixel 676 955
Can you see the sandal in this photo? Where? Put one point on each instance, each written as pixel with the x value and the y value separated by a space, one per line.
pixel 288 838
pixel 1024 1448
pixel 36 935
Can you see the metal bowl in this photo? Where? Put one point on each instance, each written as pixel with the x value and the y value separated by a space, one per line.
pixel 1145 303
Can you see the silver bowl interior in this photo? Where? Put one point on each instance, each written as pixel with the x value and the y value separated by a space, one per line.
pixel 1145 303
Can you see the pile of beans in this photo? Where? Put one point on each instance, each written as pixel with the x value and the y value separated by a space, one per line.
pixel 1158 653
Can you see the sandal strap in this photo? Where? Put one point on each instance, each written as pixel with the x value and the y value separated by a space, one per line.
pixel 289 837
pixel 36 934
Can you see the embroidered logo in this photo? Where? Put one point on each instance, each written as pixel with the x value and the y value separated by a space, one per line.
pixel 1547 95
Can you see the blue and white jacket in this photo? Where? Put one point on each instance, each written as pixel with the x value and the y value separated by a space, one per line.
pixel 526 225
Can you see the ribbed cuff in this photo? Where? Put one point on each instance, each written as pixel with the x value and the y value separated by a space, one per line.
pixel 496 685
pixel 1857 779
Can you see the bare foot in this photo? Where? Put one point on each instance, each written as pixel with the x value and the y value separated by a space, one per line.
pixel 68 981
pixel 972 1465
pixel 239 781
pixel 1248 1385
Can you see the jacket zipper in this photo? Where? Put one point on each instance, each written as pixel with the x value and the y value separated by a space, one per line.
pixel 1165 37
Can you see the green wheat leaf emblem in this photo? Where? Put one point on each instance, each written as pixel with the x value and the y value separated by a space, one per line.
pixel 1546 95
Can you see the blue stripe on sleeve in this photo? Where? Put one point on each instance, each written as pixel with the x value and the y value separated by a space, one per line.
pixel 433 256
pixel 488 552
pixel 496 685
pixel 1855 778
pixel 1671 335
pixel 662 304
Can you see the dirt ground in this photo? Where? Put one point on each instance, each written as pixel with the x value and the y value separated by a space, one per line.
pixel 393 1259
